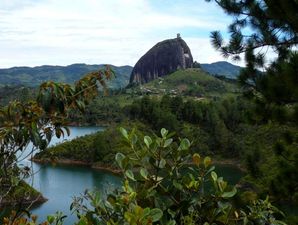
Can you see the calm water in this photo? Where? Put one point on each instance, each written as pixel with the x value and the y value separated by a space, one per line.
pixel 230 173
pixel 60 183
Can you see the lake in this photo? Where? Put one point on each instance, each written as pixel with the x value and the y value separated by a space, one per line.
pixel 60 183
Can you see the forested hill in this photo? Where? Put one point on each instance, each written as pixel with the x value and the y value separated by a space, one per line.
pixel 33 76
pixel 222 68
pixel 189 82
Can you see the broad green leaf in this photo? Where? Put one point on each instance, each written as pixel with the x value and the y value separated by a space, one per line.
pixel 144 173
pixel 124 132
pixel 229 194
pixel 158 141
pixel 164 132
pixel 177 185
pixel 128 216
pixel 245 220
pixel 168 142
pixel 119 159
pixel 50 218
pixel 134 139
pixel 130 175
pixel 222 184
pixel 83 221
pixel 214 176
pixel 196 159
pixel 184 144
pixel 162 163
pixel 207 161
pixel 146 212
pixel 138 210
pixel 172 213
pixel 171 222
pixel 156 214
pixel 147 141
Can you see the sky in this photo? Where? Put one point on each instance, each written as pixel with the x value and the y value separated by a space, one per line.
pixel 118 32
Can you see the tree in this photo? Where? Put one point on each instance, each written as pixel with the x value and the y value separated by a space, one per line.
pixel 259 25
pixel 36 122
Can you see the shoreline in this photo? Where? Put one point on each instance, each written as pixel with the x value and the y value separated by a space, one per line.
pixel 116 171
pixel 31 202
pixel 229 162
pixel 28 202
pixel 70 162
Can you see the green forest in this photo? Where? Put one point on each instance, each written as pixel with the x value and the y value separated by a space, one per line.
pixel 164 138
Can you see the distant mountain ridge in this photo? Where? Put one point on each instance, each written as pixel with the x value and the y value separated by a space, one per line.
pixel 34 76
pixel 222 68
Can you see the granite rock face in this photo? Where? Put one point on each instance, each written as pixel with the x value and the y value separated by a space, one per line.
pixel 164 58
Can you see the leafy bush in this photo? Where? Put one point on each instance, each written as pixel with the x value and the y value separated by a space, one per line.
pixel 164 184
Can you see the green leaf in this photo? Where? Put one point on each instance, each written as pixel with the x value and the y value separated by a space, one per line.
pixel 50 218
pixel 158 141
pixel 207 161
pixel 184 144
pixel 171 222
pixel 119 159
pixel 124 132
pixel 83 221
pixel 168 142
pixel 164 132
pixel 222 184
pixel 144 173
pixel 146 212
pixel 177 185
pixel 147 141
pixel 172 213
pixel 245 220
pixel 229 194
pixel 134 139
pixel 214 176
pixel 130 175
pixel 162 163
pixel 156 214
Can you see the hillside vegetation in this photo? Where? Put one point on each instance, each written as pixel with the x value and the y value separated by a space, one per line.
pixel 34 76
pixel 189 82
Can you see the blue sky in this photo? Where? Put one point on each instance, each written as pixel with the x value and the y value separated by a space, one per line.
pixel 119 32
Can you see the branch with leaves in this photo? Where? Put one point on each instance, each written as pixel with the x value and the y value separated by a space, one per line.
pixel 37 121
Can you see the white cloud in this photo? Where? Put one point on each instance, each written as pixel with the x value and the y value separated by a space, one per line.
pixel 62 32
pixel 203 52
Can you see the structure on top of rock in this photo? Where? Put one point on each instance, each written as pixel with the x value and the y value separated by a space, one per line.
pixel 164 58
